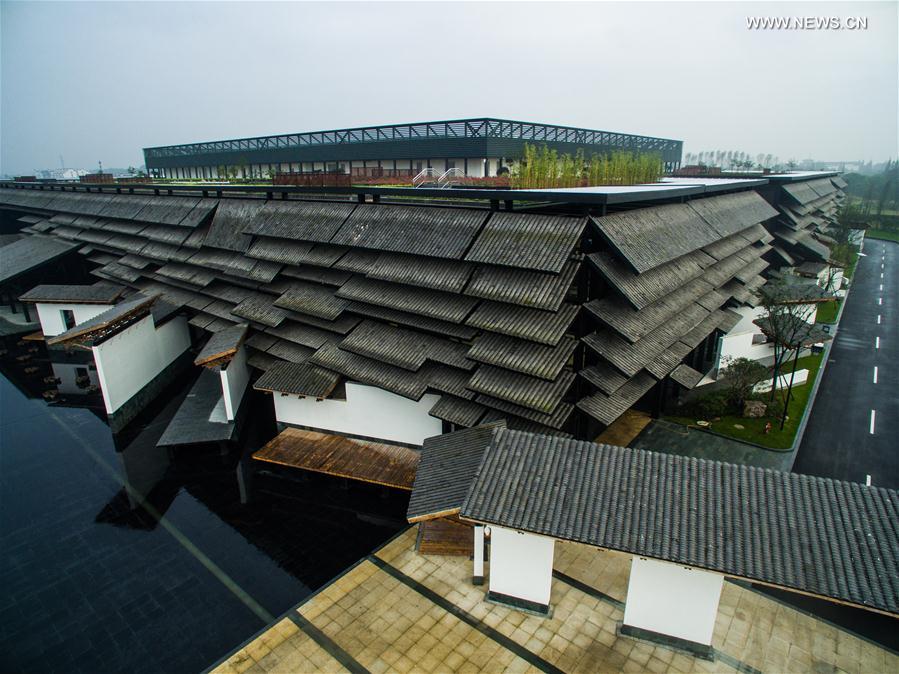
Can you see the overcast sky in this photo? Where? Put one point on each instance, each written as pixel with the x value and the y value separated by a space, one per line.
pixel 99 81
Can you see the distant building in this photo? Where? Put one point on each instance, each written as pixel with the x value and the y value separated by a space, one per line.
pixel 477 147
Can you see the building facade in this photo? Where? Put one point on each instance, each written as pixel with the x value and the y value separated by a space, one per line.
pixel 476 147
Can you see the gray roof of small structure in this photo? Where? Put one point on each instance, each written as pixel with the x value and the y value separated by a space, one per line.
pixel 222 344
pixel 448 465
pixel 102 324
pixel 833 539
pixel 98 293
pixel 22 256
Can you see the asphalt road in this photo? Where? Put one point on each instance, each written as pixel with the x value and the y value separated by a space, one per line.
pixel 841 440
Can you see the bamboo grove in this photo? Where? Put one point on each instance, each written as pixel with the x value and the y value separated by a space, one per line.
pixel 542 167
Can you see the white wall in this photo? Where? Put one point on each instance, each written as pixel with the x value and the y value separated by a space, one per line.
pixel 521 565
pixel 367 411
pixel 234 382
pixel 128 361
pixel 738 342
pixel 475 167
pixel 674 600
pixel 50 315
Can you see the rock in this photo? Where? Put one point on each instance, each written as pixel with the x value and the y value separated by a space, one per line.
pixel 754 409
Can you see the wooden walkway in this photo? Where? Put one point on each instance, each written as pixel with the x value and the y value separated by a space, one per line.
pixel 372 462
pixel 445 536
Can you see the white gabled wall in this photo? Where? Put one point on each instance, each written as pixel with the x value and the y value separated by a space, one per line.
pixel 367 411
pixel 674 600
pixel 738 342
pixel 521 565
pixel 234 382
pixel 129 360
pixel 50 315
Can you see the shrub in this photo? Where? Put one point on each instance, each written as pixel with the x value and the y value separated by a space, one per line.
pixel 710 406
pixel 739 376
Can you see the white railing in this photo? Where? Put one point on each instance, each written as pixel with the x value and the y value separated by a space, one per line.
pixel 447 179
pixel 428 175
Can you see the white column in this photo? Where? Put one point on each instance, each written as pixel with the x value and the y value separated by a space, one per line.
pixel 521 569
pixel 668 602
pixel 477 577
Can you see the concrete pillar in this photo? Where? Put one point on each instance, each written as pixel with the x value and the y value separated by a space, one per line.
pixel 673 605
pixel 521 569
pixel 477 577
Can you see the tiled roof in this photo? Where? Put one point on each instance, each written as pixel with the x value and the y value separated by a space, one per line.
pixel 819 536
pixel 482 307
pixel 222 345
pixel 29 253
pixel 527 241
pixel 447 467
pixel 98 293
pixel 299 378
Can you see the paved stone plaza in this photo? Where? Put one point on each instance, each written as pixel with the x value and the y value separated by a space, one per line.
pixel 398 611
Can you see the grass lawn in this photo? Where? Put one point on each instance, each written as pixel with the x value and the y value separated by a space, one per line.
pixel 888 235
pixel 754 429
pixel 827 312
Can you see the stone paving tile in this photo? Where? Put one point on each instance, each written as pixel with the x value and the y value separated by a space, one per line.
pixel 281 648
pixel 580 636
pixel 387 626
pixel 750 627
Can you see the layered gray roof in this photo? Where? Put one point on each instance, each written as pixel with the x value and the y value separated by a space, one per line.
pixel 828 538
pixel 496 312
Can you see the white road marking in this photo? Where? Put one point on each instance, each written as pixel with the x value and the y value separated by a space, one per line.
pixel 881 274
pixel 879 300
pixel 881 287
pixel 867 480
pixel 877 342
pixel 878 319
pixel 871 429
pixel 875 374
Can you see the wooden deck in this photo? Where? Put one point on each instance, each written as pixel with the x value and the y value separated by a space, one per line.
pixel 445 536
pixel 373 462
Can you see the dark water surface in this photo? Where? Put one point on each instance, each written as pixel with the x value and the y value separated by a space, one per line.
pixel 91 582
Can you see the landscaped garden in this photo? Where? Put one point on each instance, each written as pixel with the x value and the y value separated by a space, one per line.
pixel 828 312
pixel 721 415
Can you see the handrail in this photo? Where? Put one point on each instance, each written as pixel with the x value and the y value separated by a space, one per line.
pixel 446 178
pixel 426 175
